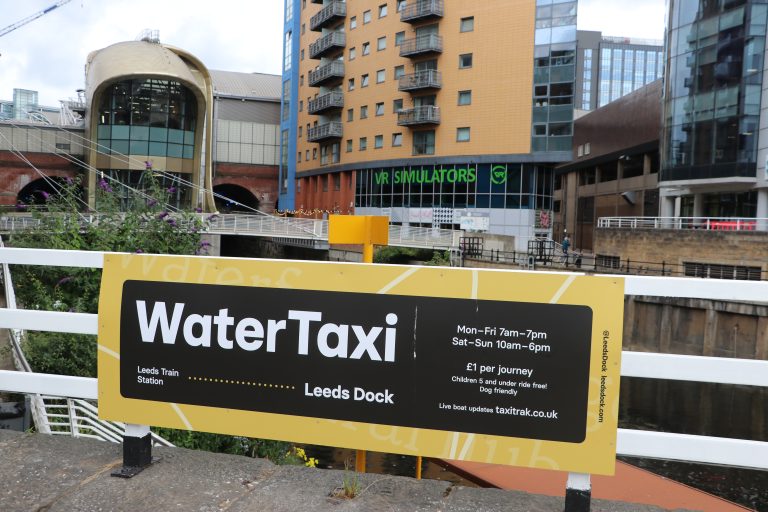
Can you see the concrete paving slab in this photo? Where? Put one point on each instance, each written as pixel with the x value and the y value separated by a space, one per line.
pixel 56 474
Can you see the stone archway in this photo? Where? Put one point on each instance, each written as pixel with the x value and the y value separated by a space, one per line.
pixel 37 193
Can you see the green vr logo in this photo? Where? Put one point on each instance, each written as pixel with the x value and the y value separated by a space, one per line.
pixel 498 174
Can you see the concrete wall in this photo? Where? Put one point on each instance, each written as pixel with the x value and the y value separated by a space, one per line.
pixel 678 246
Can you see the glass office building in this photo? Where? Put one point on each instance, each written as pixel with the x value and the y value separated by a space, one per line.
pixel 712 108
pixel 612 67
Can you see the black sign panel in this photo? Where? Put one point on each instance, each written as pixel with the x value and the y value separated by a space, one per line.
pixel 489 367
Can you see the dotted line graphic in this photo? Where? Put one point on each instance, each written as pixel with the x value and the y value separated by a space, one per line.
pixel 242 383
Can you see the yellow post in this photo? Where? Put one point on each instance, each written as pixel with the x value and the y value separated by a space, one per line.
pixel 368 231
pixel 360 461
pixel 418 467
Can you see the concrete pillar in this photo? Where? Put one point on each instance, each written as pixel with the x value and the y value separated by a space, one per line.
pixel 667 206
pixel 762 209
pixel 710 332
pixel 678 206
pixel 698 205
pixel 647 164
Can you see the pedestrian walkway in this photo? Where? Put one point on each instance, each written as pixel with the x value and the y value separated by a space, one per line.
pixel 58 474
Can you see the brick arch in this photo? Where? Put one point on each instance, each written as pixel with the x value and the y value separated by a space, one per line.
pixel 16 174
pixel 231 198
pixel 258 180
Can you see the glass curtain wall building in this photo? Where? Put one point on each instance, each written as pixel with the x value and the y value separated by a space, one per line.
pixel 711 162
pixel 612 67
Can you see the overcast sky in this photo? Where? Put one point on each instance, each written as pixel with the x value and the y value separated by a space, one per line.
pixel 48 54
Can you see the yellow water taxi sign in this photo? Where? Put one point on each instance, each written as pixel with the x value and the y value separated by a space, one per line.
pixel 483 365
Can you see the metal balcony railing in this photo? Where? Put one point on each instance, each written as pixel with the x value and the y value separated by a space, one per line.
pixel 328 101
pixel 332 130
pixel 421 10
pixel 328 42
pixel 334 10
pixel 427 79
pixel 431 43
pixel 426 114
pixel 325 73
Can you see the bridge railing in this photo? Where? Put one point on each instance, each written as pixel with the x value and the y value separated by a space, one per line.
pixel 636 443
pixel 270 226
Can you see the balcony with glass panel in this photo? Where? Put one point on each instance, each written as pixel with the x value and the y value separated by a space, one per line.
pixel 327 131
pixel 421 45
pixel 328 43
pixel 326 102
pixel 425 114
pixel 421 10
pixel 427 79
pixel 329 14
pixel 326 73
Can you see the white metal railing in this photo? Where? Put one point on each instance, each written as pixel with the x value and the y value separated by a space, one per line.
pixel 705 223
pixel 663 445
pixel 274 226
pixel 76 417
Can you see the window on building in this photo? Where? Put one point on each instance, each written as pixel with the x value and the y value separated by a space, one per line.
pixel 287 54
pixel 364 80
pixel 301 109
pixel 366 48
pixel 381 43
pixel 364 112
pixel 397 139
pixel 399 71
pixel 314 153
pixel 349 145
pixel 366 17
pixel 337 181
pixel 288 10
pixel 352 53
pixel 363 143
pixel 467 24
pixel 286 99
pixel 300 129
pixel 378 142
pixel 350 115
pixel 462 134
pixel 302 54
pixel 324 179
pixel 351 84
pixel 399 38
pixel 353 23
pixel 298 157
pixel 465 61
pixel 380 109
pixel 397 105
pixel 465 97
pixel 382 10
pixel 424 142
pixel 306 156
pixel 303 28
pixel 381 75
pixel 303 4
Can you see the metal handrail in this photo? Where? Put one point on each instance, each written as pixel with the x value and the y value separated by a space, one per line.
pixel 422 8
pixel 335 8
pixel 334 129
pixel 678 223
pixel 428 78
pixel 419 115
pixel 326 71
pixel 338 39
pixel 421 44
pixel 333 99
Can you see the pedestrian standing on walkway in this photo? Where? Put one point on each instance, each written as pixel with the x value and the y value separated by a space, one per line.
pixel 566 246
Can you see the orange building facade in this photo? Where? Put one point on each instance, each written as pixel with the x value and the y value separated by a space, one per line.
pixel 434 112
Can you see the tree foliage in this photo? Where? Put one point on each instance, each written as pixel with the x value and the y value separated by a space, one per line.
pixel 145 227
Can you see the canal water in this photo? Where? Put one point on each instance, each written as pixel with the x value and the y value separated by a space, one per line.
pixel 739 412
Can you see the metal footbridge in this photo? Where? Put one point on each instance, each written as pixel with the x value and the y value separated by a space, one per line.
pixel 286 230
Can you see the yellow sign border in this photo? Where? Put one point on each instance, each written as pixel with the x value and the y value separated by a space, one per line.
pixel 605 295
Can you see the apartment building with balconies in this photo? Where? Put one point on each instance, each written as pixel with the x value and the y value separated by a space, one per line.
pixel 429 111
